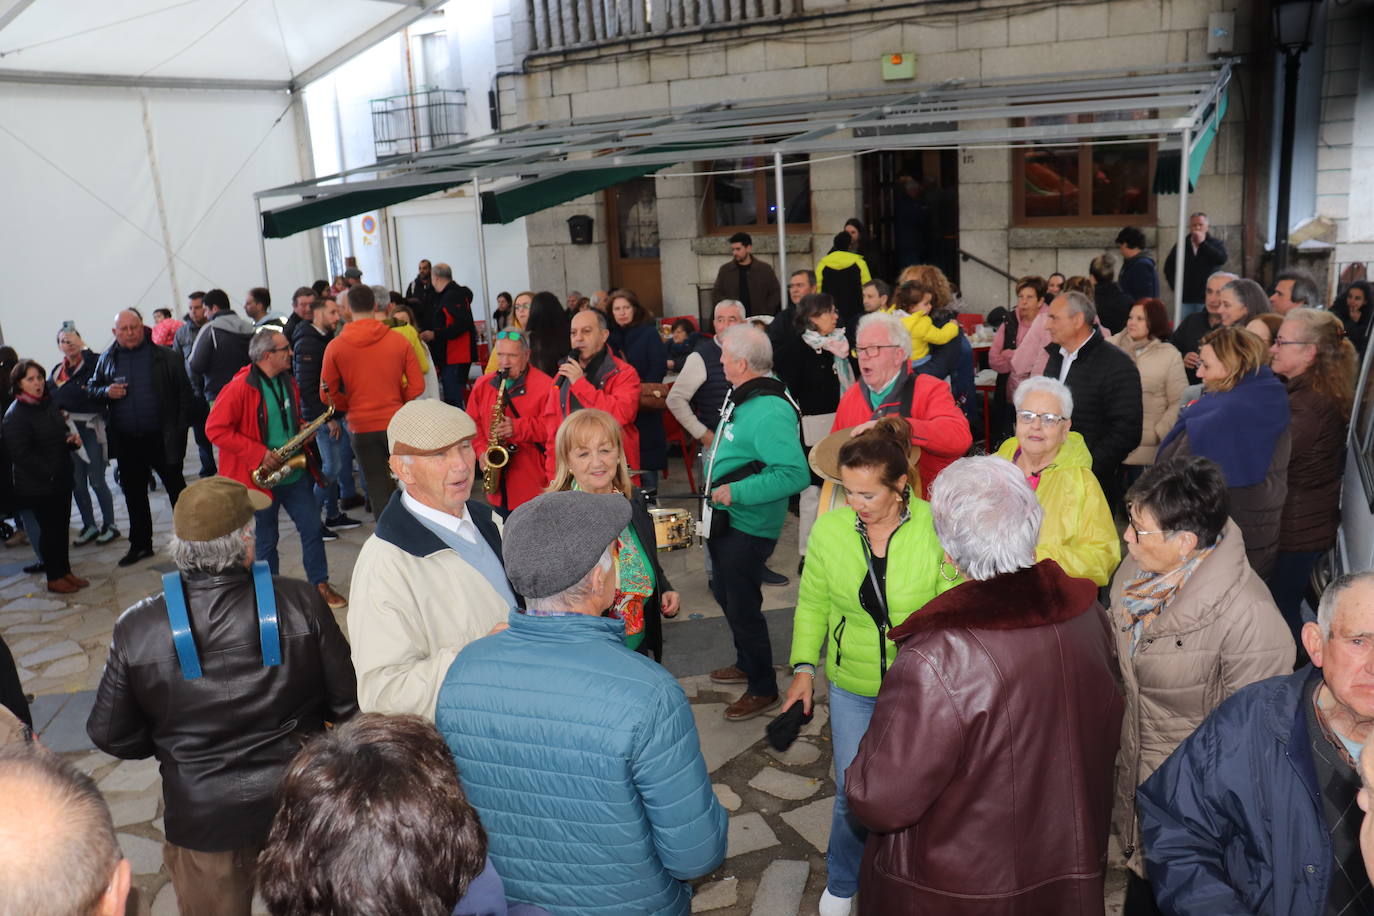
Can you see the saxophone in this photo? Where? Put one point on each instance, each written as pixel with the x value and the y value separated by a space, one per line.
pixel 497 456
pixel 290 452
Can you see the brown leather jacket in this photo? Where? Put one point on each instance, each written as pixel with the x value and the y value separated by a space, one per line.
pixel 223 739
pixel 1312 509
pixel 986 771
pixel 1221 632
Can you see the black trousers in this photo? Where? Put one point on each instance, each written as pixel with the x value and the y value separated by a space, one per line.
pixel 373 456
pixel 737 582
pixel 1140 897
pixel 200 412
pixel 54 514
pixel 139 457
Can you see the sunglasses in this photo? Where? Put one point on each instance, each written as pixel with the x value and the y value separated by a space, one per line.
pixel 509 335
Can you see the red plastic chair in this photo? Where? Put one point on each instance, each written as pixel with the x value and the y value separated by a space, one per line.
pixel 677 436
pixel 969 321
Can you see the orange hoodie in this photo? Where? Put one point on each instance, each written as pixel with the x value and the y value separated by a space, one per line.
pixel 370 372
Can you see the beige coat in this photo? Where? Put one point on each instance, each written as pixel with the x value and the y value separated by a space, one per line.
pixel 1162 380
pixel 1220 633
pixel 408 617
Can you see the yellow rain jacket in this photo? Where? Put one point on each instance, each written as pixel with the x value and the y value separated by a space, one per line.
pixel 1077 532
pixel 924 333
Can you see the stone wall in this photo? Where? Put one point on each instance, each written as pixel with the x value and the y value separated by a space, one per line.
pixel 762 61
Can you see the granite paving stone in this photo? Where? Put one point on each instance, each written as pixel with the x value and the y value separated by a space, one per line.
pixel 781 784
pixel 49 653
pixel 129 809
pixel 24 629
pixel 720 745
pixel 801 753
pixel 781 888
pixel 812 821
pixel 27 644
pixel 143 854
pixel 72 664
pixel 716 895
pixel 749 833
pixel 131 776
pixel 728 797
pixel 36 604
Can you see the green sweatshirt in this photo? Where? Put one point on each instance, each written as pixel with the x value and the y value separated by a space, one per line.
pixel 763 428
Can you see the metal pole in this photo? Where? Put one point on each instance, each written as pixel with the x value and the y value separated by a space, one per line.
pixel 1180 251
pixel 262 246
pixel 481 248
pixel 782 224
pixel 1292 60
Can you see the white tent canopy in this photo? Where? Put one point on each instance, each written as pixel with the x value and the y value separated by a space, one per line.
pixel 134 135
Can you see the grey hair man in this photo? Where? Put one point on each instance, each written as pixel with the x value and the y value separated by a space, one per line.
pixel 432 542
pixel 526 392
pixel 618 768
pixel 58 851
pixel 1203 255
pixel 1187 337
pixel 1295 288
pixel 237 631
pixel 754 466
pixel 701 386
pixel 1256 811
pixel 938 762
pixel 1105 384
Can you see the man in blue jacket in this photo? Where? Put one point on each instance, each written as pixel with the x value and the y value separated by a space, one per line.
pixel 581 757
pixel 1256 812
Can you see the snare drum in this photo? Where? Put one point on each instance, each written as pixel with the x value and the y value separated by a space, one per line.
pixel 674 529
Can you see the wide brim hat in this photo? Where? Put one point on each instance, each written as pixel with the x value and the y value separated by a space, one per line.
pixel 825 456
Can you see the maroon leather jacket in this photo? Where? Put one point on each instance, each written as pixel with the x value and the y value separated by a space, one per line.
pixel 986 772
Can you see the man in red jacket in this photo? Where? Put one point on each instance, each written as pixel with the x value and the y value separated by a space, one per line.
pixel 371 372
pixel 593 377
pixel 521 429
pixel 255 414
pixel 886 386
pixel 455 332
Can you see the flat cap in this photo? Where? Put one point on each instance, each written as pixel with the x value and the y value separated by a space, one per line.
pixel 552 541
pixel 427 426
pixel 214 507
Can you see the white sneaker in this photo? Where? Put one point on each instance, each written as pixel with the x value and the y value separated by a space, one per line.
pixel 834 906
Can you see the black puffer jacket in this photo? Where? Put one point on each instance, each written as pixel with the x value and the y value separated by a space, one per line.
pixel 223 739
pixel 36 436
pixel 1107 402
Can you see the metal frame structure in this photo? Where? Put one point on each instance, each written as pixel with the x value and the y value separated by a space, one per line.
pixel 1182 98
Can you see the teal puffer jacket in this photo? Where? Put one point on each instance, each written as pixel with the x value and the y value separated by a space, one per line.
pixel 828 603
pixel 583 761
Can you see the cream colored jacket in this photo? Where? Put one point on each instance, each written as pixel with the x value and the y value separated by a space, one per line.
pixel 1162 380
pixel 414 604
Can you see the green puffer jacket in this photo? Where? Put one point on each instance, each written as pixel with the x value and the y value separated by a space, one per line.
pixel 828 603
pixel 763 428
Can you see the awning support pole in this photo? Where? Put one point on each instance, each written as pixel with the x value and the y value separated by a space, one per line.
pixel 262 245
pixel 782 224
pixel 481 252
pixel 1180 252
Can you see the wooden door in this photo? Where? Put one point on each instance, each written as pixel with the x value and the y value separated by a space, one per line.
pixel 632 236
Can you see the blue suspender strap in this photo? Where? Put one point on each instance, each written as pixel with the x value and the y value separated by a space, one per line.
pixel 175 598
pixel 268 631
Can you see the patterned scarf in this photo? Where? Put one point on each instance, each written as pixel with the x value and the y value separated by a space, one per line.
pixel 1145 597
pixel 838 345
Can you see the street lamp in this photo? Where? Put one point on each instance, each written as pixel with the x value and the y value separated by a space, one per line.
pixel 1293 22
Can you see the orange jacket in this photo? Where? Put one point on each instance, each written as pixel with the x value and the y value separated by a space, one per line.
pixel 370 372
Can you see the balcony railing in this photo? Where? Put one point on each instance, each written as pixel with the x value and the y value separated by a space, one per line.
pixel 559 24
pixel 418 121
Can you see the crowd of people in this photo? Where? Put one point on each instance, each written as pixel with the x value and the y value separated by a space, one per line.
pixel 1007 687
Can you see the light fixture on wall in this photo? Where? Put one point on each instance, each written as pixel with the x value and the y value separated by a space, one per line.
pixel 1294 21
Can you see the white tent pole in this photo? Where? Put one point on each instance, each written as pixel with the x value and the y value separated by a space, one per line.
pixel 155 172
pixel 1180 252
pixel 262 246
pixel 782 223
pixel 481 252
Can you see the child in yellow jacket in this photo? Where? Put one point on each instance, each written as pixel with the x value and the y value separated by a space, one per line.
pixel 915 298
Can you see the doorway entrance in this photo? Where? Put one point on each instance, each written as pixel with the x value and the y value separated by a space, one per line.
pixel 911 207
pixel 632 240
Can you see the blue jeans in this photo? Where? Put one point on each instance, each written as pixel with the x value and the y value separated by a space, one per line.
pixel 348 488
pixel 299 501
pixel 452 380
pixel 331 462
pixel 29 522
pixel 1288 585
pixel 849 717
pixel 93 473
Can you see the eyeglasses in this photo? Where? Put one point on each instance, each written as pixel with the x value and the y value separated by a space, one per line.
pixel 279 349
pixel 1048 419
pixel 874 351
pixel 1280 342
pixel 1140 534
pixel 510 335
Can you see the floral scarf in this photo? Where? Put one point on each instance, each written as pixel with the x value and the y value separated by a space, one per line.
pixel 634 585
pixel 1145 597
pixel 838 345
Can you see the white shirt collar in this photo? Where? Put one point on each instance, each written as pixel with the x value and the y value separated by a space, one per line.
pixel 464 527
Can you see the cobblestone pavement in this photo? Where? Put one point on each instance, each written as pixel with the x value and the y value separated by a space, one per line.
pixel 779 803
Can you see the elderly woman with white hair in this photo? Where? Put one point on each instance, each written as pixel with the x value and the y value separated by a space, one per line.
pixel 1078 531
pixel 1016 764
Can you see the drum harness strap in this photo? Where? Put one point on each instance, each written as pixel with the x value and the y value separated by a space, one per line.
pixel 269 632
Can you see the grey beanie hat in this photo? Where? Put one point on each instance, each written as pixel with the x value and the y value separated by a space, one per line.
pixel 552 541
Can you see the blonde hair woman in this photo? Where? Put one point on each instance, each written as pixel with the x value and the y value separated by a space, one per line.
pixel 590 457
pixel 519 319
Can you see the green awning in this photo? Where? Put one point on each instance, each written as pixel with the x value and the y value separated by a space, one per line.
pixel 509 204
pixel 308 214
pixel 1166 163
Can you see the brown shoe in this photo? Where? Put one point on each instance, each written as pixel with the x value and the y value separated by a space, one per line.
pixel 76 580
pixel 62 586
pixel 331 597
pixel 731 675
pixel 748 706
